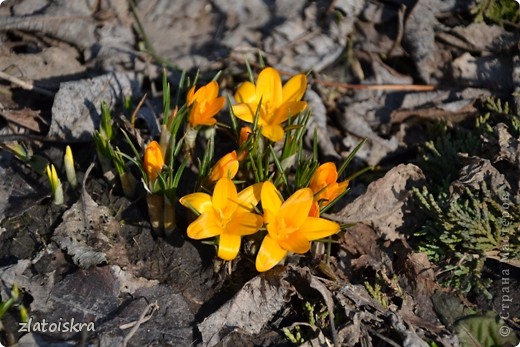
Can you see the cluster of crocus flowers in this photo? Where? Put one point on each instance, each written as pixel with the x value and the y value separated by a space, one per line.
pixel 281 226
pixel 273 102
pixel 230 215
pixel 204 104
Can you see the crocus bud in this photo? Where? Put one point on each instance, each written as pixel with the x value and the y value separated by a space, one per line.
pixel 54 180
pixel 153 161
pixel 68 162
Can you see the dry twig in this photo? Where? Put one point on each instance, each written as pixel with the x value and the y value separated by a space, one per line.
pixel 144 317
pixel 25 84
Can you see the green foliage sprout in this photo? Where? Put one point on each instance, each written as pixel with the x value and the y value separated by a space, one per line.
pixel 466 225
pixel 464 228
pixel 496 11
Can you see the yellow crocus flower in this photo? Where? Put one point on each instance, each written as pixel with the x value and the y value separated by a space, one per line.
pixel 226 214
pixel 274 102
pixel 324 184
pixel 204 104
pixel 289 226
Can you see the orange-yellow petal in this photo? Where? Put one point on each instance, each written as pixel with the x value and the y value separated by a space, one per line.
pixel 286 110
pixel 246 93
pixel 244 223
pixel 205 226
pixel 325 174
pixel 245 112
pixel 271 198
pixel 269 87
pixel 190 98
pixel 249 197
pixel 204 104
pixel 201 202
pixel 294 88
pixel 318 228
pixel 295 242
pixel 274 133
pixel 228 246
pixel 342 186
pixel 245 132
pixel 315 210
pixel 225 196
pixel 269 217
pixel 197 118
pixel 323 183
pixel 269 255
pixel 227 166
pixel 153 160
pixel 296 208
pixel 210 90
pixel 214 106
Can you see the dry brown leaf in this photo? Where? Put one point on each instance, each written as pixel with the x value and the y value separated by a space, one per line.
pixel 250 309
pixel 362 243
pixel 26 118
pixel 385 203
pixel 86 232
pixel 450 113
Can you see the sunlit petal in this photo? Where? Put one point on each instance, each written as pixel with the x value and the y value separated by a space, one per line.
pixel 273 132
pixel 294 88
pixel 287 110
pixel 342 186
pixel 205 226
pixel 315 210
pixel 245 132
pixel 269 87
pixel 191 96
pixel 211 90
pixel 271 198
pixel 246 93
pixel 197 118
pixel 296 208
pixel 225 191
pixel 249 197
pixel 228 246
pixel 204 104
pixel 269 255
pixel 244 223
pixel 323 182
pixel 269 217
pixel 214 106
pixel 318 228
pixel 295 242
pixel 153 160
pixel 201 202
pixel 227 166
pixel 326 173
pixel 245 112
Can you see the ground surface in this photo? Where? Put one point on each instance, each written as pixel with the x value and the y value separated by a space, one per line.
pixel 424 82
